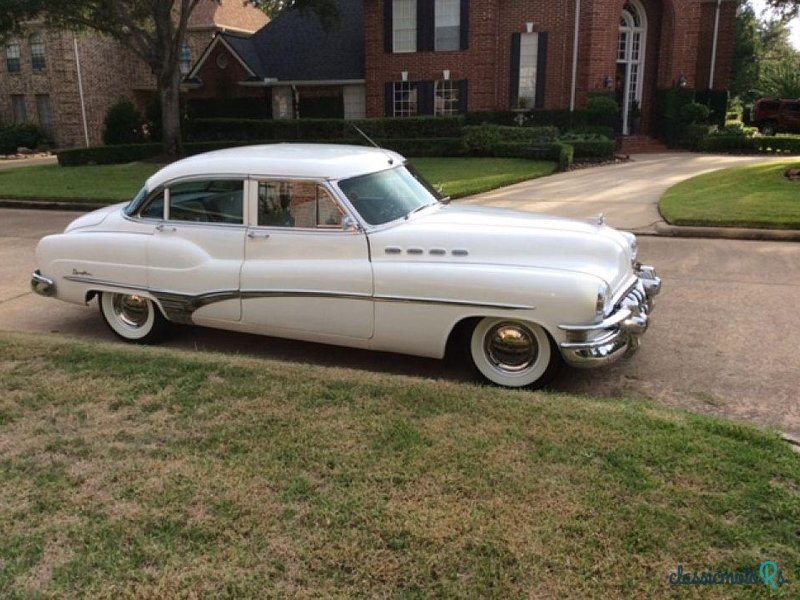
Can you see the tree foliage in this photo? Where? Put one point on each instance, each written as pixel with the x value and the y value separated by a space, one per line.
pixel 764 62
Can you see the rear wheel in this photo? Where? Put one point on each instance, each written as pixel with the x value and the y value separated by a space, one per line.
pixel 132 317
pixel 514 353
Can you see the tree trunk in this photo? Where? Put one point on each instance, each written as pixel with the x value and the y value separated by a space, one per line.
pixel 169 92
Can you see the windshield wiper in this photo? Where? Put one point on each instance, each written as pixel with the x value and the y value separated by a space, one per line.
pixel 419 208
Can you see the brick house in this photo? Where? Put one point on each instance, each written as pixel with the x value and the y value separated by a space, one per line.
pixel 446 56
pixel 65 82
pixel 442 57
pixel 291 68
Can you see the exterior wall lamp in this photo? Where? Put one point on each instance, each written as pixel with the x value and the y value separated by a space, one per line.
pixel 682 81
pixel 608 82
pixel 446 74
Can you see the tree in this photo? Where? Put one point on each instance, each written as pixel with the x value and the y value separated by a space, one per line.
pixel 154 30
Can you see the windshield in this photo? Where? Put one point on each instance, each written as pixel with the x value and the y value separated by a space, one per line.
pixel 388 195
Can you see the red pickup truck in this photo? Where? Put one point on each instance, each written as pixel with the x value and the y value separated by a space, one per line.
pixel 772 116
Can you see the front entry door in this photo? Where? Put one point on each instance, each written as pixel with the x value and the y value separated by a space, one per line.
pixel 630 64
pixel 302 272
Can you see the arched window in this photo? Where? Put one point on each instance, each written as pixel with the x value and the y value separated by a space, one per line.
pixel 12 56
pixel 37 52
pixel 630 60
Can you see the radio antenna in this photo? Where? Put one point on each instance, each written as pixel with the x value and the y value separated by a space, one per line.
pixel 371 141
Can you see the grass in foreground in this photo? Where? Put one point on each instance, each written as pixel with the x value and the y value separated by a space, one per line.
pixel 116 183
pixel 154 473
pixel 749 196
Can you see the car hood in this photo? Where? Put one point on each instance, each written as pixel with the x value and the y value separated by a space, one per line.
pixel 483 235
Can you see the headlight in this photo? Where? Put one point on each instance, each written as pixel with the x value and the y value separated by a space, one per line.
pixel 633 244
pixel 603 297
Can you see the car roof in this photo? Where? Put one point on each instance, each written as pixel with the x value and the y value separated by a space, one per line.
pixel 313 161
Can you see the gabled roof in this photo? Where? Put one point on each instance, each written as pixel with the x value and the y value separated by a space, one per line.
pixel 296 47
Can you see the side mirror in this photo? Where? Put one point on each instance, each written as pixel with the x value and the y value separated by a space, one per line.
pixel 350 224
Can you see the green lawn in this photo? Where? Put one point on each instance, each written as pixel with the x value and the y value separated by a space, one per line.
pixel 114 183
pixel 749 196
pixel 107 183
pixel 144 472
pixel 466 176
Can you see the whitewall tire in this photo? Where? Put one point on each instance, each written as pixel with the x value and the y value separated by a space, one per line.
pixel 132 317
pixel 513 353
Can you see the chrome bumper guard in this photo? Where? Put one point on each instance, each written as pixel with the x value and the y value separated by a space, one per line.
pixel 44 286
pixel 617 336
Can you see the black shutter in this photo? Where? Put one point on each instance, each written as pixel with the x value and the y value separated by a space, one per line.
pixel 462 96
pixel 388 99
pixel 541 69
pixel 425 92
pixel 514 87
pixel 464 28
pixel 388 27
pixel 426 25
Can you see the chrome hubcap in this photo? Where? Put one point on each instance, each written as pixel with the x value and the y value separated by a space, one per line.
pixel 511 347
pixel 131 310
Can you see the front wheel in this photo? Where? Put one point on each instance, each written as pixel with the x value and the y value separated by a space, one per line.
pixel 132 317
pixel 514 353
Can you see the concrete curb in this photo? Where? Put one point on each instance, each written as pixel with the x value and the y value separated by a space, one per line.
pixel 54 205
pixel 660 229
pixel 729 233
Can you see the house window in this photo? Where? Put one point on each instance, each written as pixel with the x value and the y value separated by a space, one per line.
pixel 446 101
pixel 405 99
pixel 448 25
pixel 186 60
pixel 12 57
pixel 354 98
pixel 528 56
pixel 18 108
pixel 404 25
pixel 37 52
pixel 45 112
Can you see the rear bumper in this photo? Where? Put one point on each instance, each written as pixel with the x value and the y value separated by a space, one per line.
pixel 618 335
pixel 44 286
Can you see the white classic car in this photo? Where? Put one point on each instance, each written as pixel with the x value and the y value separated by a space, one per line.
pixel 348 245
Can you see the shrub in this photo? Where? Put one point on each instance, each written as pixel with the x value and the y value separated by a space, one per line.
pixel 602 110
pixel 588 146
pixel 694 112
pixel 107 155
pixel 558 152
pixel 669 126
pixel 123 124
pixel 742 143
pixel 426 147
pixel 322 129
pixel 18 135
pixel 590 130
pixel 485 140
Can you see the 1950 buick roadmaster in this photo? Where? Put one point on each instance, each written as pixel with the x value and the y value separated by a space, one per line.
pixel 349 245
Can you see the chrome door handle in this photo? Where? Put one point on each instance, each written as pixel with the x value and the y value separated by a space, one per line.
pixel 162 227
pixel 253 235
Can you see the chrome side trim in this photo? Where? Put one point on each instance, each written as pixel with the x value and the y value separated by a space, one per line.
pixel 44 286
pixel 179 307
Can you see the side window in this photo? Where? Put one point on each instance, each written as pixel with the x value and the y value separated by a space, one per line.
pixel 302 204
pixel 207 201
pixel 154 208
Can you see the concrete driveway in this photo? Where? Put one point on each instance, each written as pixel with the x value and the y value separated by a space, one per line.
pixel 627 193
pixel 723 340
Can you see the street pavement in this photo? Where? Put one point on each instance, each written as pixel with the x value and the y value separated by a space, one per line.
pixel 27 162
pixel 723 339
pixel 626 193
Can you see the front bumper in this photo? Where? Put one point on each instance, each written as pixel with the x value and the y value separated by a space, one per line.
pixel 617 336
pixel 44 286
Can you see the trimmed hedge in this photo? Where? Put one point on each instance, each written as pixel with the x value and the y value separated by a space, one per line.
pixel 559 152
pixel 490 140
pixel 124 153
pixel 741 143
pixel 204 130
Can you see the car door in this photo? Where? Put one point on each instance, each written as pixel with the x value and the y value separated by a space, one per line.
pixel 196 251
pixel 303 272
